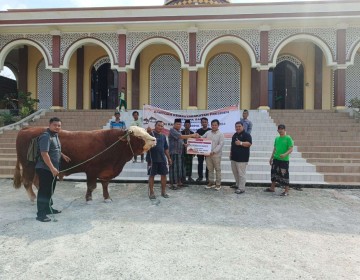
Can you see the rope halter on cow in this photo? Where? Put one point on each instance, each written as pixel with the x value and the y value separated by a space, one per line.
pixel 125 136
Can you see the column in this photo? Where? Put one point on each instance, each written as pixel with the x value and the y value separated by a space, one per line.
pixel 23 69
pixel 80 78
pixel 193 75
pixel 339 74
pixel 264 72
pixel 122 78
pixel 318 78
pixel 57 87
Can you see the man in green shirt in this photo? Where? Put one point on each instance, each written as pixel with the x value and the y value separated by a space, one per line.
pixel 279 161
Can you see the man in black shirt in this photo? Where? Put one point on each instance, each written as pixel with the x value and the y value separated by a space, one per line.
pixel 201 131
pixel 239 156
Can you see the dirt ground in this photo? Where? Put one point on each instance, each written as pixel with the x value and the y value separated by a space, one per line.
pixel 194 234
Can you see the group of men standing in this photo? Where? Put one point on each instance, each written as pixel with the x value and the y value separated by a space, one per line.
pixel 173 155
pixel 180 163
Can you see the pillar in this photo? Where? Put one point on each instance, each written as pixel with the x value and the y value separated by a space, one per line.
pixel 339 74
pixel 193 75
pixel 57 87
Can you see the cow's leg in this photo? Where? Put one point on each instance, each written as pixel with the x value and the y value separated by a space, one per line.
pixel 91 185
pixel 29 191
pixel 28 179
pixel 106 194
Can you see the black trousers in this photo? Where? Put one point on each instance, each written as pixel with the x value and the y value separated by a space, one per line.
pixel 201 168
pixel 46 189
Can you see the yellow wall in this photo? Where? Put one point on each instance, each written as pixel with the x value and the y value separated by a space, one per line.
pixel 72 82
pixel 245 74
pixel 34 58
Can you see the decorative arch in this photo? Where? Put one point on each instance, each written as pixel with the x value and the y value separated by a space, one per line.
pixel 152 41
pixel 353 51
pixel 288 57
pixel 70 51
pixel 13 44
pixel 320 43
pixel 228 39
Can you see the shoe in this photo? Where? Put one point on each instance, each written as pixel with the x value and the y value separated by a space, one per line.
pixel 191 180
pixel 298 189
pixel 43 219
pixel 173 187
pixel 218 187
pixel 239 191
pixel 183 186
pixel 199 180
pixel 134 161
pixel 233 186
pixel 209 186
pixel 284 194
pixel 53 211
pixel 165 195
pixel 152 196
pixel 268 190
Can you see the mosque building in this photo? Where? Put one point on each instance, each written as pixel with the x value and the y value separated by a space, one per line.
pixel 203 54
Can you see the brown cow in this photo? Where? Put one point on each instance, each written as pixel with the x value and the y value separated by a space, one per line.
pixel 81 146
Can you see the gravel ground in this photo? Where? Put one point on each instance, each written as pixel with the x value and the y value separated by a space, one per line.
pixel 195 234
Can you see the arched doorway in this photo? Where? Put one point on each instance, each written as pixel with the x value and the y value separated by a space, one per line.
pixel 103 85
pixel 286 85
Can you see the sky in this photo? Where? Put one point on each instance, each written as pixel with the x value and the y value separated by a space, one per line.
pixel 33 4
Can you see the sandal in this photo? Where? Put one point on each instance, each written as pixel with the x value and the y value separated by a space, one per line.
pixel 165 195
pixel 268 190
pixel 152 196
pixel 284 194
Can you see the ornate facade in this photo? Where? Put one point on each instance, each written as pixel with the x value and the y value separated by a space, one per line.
pixel 302 55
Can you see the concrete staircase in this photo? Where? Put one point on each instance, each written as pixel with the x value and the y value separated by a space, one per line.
pixel 329 140
pixel 71 120
pixel 264 132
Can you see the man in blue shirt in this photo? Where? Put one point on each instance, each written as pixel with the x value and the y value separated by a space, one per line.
pixel 117 123
pixel 156 160
pixel 246 122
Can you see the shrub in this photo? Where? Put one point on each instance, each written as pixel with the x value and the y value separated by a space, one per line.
pixel 355 103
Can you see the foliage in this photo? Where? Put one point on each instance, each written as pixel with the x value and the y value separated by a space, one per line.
pixel 7 118
pixel 355 103
pixel 24 112
pixel 26 101
pixel 9 101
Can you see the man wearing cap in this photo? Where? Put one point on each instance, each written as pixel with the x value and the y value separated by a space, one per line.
pixel 187 158
pixel 279 161
pixel 176 149
pixel 117 123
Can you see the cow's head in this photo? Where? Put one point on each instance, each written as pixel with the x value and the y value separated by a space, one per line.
pixel 141 133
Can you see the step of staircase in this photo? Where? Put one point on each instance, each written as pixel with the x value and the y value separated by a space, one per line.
pixel 330 140
pixel 264 133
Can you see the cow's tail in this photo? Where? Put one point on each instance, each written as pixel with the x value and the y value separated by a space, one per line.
pixel 17 175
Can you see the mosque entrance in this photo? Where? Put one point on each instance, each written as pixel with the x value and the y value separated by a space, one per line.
pixel 103 87
pixel 286 85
